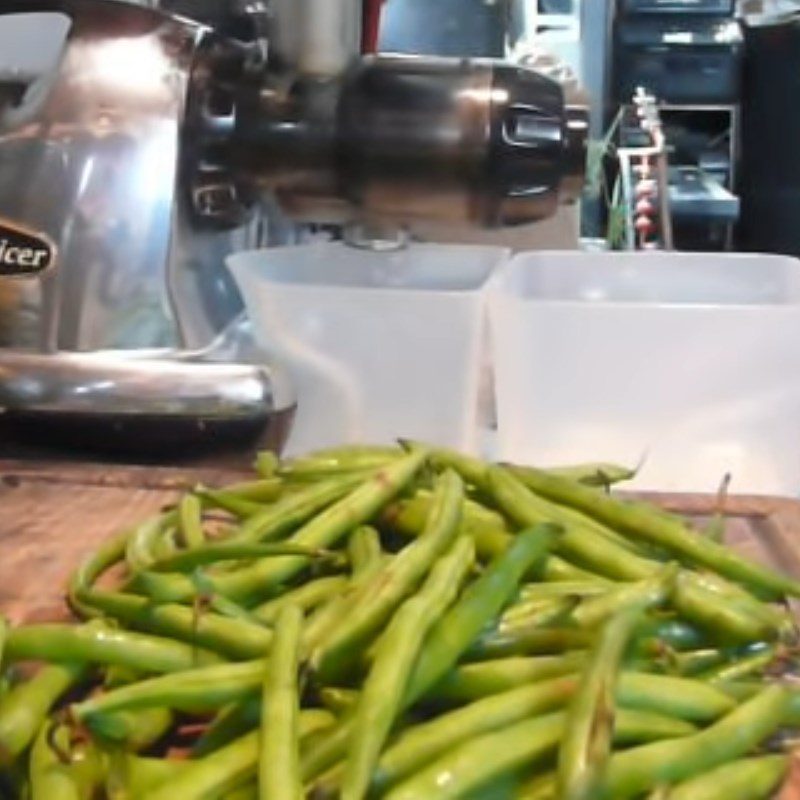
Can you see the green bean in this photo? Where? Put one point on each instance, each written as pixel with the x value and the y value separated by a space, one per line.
pixel 337 699
pixel 473 681
pixel 646 594
pixel 307 597
pixel 601 475
pixel 586 746
pixel 232 551
pixel 475 762
pixel 326 618
pixel 684 698
pixel 24 709
pixel 694 598
pixel 217 773
pixel 240 718
pixel 640 769
pixel 281 518
pixel 247 792
pixel 279 757
pixel 421 744
pixel 747 779
pixel 537 591
pixel 364 549
pixel 129 776
pixel 140 541
pixel 223 770
pixel 190 521
pixel 190 690
pixel 752 664
pixel 374 602
pixel 558 569
pixel 481 602
pixel 482 758
pixel 526 642
pixel 687 699
pixel 231 723
pixel 693 663
pixel 530 612
pixel 106 556
pixel 132 730
pixel 103 645
pixel 337 460
pixel 232 503
pixel 233 638
pixel 381 699
pixel 486 527
pixel 263 490
pixel 266 464
pixel 323 530
pixel 52 780
pixel 638 521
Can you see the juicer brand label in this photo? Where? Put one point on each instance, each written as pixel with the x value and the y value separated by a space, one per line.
pixel 24 252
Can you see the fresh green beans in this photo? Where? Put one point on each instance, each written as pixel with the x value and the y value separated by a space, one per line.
pixel 190 521
pixel 306 597
pixel 279 757
pixel 103 645
pixel 232 638
pixel 640 769
pixel 586 745
pixel 50 779
pixel 481 602
pixel 231 551
pixel 24 709
pixel 364 548
pixel 474 763
pixel 213 775
pixel 132 730
pixel 423 743
pixel 375 601
pixel 192 690
pixel 747 779
pixel 473 681
pixel 405 622
pixel 647 594
pixel 638 521
pixel 322 531
pixel 739 668
pixel 398 648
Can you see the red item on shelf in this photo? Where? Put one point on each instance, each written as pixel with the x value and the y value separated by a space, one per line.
pixel 371 26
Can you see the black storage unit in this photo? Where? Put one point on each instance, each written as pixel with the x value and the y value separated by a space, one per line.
pixel 686 60
pixel 770 173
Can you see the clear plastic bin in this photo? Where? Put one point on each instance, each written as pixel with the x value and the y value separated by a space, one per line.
pixel 380 345
pixel 690 361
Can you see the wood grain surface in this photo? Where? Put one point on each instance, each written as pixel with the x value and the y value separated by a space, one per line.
pixel 53 515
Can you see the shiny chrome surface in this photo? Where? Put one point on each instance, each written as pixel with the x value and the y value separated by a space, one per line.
pixel 90 156
pixel 100 383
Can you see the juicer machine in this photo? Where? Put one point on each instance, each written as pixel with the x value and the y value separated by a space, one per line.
pixel 164 139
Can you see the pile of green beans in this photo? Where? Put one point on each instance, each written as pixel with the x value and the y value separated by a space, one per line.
pixel 407 623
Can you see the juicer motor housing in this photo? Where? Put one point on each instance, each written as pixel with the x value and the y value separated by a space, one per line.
pixel 159 144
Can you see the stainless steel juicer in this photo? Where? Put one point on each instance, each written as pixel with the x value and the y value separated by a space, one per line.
pixel 164 139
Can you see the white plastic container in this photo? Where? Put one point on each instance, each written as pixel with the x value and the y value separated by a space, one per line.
pixel 380 345
pixel 690 361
